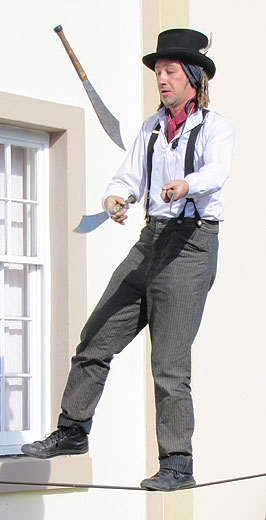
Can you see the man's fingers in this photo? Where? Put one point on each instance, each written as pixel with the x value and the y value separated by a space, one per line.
pixel 174 191
pixel 167 195
pixel 116 208
pixel 120 220
pixel 120 216
pixel 164 195
pixel 112 202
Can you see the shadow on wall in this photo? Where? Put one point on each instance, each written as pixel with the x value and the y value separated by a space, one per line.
pixel 14 505
pixel 22 469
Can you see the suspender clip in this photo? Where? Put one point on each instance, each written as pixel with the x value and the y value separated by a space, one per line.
pixel 197 216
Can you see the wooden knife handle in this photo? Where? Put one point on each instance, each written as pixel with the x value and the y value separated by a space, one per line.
pixel 170 194
pixel 114 209
pixel 80 71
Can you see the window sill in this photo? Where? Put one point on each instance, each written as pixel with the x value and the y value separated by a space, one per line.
pixel 62 470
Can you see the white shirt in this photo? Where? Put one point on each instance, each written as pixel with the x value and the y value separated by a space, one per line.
pixel 212 161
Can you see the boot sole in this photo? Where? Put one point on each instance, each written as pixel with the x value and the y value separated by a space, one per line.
pixel 54 454
pixel 186 485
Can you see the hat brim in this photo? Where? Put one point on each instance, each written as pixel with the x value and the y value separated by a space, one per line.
pixel 183 55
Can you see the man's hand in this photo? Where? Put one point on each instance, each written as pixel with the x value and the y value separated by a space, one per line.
pixel 120 216
pixel 180 189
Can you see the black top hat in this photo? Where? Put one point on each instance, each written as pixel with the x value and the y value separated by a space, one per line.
pixel 186 45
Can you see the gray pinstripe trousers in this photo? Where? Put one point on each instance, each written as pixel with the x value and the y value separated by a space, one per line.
pixel 163 282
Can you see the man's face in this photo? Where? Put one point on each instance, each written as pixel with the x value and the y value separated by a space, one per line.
pixel 173 85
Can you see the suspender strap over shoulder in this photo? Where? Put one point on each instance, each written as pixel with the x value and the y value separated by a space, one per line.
pixel 150 150
pixel 189 159
pixel 189 162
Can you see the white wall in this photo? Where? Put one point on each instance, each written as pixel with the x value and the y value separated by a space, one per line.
pixel 229 354
pixel 106 38
pixel 93 504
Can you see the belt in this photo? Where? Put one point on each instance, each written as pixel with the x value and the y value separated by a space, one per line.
pixel 175 220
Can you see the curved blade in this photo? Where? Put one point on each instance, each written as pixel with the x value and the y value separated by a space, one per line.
pixel 107 120
pixel 110 124
pixel 90 222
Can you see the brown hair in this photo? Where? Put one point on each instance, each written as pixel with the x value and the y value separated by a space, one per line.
pixel 203 92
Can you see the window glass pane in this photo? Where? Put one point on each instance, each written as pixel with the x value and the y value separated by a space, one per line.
pixel 17 170
pixel 23 182
pixel 17 404
pixel 1 404
pixel 16 350
pixel 1 351
pixel 2 171
pixel 30 181
pixel 2 228
pixel 16 290
pixel 23 229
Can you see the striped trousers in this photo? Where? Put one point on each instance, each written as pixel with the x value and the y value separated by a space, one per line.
pixel 162 283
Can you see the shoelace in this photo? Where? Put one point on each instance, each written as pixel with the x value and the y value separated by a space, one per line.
pixel 53 438
pixel 164 471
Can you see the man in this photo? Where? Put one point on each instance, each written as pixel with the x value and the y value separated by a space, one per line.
pixel 165 279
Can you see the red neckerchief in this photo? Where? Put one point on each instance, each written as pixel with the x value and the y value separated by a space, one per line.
pixel 173 124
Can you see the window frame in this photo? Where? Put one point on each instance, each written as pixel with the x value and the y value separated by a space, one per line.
pixel 67 201
pixel 39 290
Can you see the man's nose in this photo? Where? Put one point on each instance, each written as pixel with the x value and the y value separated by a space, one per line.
pixel 162 78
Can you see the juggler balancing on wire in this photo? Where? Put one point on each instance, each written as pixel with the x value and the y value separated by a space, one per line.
pixel 165 279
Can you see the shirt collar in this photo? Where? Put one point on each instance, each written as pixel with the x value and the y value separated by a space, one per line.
pixel 173 124
pixel 192 121
pixel 179 119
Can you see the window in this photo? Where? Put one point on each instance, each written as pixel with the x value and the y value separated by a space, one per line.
pixel 24 285
pixel 58 283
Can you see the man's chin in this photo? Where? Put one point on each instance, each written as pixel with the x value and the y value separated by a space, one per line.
pixel 168 102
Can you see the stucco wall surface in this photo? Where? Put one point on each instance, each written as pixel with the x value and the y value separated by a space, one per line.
pixel 106 39
pixel 229 355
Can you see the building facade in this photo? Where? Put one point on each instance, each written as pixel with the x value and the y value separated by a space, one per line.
pixel 55 161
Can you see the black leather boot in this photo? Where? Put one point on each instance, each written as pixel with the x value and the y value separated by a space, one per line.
pixel 64 441
pixel 168 480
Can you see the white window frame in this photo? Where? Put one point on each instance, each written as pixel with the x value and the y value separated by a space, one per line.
pixel 11 441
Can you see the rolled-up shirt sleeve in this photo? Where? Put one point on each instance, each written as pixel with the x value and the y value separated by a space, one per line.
pixel 216 160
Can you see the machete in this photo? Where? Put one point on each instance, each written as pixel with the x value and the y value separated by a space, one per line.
pixel 108 121
pixel 90 222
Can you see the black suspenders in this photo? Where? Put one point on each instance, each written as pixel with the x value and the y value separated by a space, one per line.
pixel 189 165
pixel 152 140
